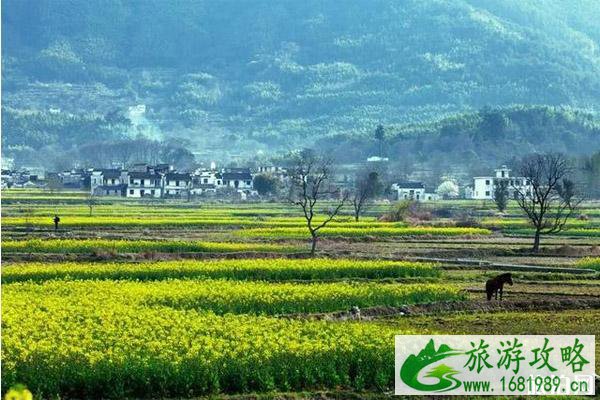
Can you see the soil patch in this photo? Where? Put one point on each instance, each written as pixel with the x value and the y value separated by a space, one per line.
pixel 545 304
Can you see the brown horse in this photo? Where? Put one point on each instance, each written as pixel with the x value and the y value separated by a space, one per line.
pixel 495 285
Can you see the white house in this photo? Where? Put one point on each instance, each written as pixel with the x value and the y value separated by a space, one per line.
pixel 271 169
pixel 108 182
pixel 484 186
pixel 237 178
pixel 411 190
pixel 145 184
pixel 177 184
pixel 206 181
pixel 208 177
pixel 277 172
pixel 72 179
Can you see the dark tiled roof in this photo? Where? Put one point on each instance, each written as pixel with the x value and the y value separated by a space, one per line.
pixel 240 176
pixel 238 170
pixel 111 173
pixel 143 175
pixel 178 176
pixel 410 185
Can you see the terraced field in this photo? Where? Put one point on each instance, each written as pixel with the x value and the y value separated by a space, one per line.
pixel 177 299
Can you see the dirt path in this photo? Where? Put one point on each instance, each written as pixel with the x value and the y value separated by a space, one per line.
pixel 485 264
pixel 470 306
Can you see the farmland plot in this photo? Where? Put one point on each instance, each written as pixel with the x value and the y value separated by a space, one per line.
pixel 138 312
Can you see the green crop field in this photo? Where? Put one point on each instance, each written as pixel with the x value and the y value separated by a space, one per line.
pixel 69 345
pixel 240 297
pixel 134 246
pixel 180 299
pixel 273 269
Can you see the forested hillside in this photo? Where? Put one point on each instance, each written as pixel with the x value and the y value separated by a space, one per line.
pixel 442 77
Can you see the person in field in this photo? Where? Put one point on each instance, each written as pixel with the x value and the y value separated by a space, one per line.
pixel 56 221
pixel 495 285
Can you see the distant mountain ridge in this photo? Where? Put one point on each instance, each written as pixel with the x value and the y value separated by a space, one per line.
pixel 277 75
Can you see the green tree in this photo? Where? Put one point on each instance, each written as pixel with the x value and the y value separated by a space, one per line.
pixel 266 184
pixel 501 194
pixel 380 137
pixel 493 124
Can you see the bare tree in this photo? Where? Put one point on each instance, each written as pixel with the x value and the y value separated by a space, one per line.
pixel 366 187
pixel 310 176
pixel 548 199
pixel 90 201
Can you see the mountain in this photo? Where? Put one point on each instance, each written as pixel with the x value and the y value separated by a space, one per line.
pixel 237 78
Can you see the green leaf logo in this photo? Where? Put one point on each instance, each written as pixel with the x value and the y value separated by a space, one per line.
pixel 413 365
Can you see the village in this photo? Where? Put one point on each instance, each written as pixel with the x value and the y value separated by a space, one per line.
pixel 163 181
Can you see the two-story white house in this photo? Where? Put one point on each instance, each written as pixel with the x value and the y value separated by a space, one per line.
pixel 208 177
pixel 145 184
pixel 280 173
pixel 206 181
pixel 108 182
pixel 177 184
pixel 484 186
pixel 237 178
pixel 73 179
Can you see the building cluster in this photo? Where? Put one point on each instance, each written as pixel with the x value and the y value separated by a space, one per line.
pixel 23 178
pixel 161 181
pixel 482 188
pixel 145 181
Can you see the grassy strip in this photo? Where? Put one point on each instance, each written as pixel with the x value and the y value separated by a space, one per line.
pixel 524 224
pixel 112 211
pixel 589 262
pixel 128 221
pixel 161 220
pixel 578 232
pixel 299 233
pixel 135 246
pixel 247 269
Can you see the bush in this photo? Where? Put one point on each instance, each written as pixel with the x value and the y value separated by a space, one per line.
pixel 466 220
pixel 398 212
